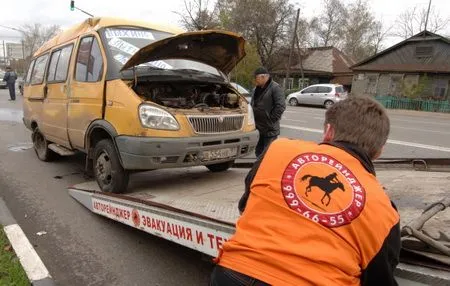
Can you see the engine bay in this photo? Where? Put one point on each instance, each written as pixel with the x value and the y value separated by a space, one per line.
pixel 189 95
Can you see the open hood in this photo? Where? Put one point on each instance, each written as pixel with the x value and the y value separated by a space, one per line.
pixel 222 50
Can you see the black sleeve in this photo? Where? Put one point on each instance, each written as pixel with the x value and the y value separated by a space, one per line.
pixel 6 76
pixel 279 103
pixel 248 182
pixel 380 270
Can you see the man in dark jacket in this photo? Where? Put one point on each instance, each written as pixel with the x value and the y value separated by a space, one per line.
pixel 10 79
pixel 268 105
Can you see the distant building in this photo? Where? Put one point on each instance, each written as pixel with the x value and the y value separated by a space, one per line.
pixel 14 51
pixel 320 65
pixel 418 67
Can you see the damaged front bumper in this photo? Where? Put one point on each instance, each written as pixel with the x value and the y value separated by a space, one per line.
pixel 144 153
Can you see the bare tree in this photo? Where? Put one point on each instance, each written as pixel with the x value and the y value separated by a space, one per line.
pixel 198 15
pixel 305 33
pixel 412 21
pixel 380 33
pixel 328 26
pixel 265 23
pixel 35 35
pixel 359 31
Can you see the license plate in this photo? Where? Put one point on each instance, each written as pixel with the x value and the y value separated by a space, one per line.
pixel 219 154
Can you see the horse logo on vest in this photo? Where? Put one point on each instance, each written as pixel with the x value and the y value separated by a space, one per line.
pixel 323 189
pixel 327 185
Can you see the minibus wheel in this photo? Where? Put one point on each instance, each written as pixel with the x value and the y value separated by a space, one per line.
pixel 109 173
pixel 40 145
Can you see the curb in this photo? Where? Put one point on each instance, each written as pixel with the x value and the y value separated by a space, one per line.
pixel 35 269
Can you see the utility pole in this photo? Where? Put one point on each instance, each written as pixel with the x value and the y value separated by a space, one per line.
pixel 4 53
pixel 23 50
pixel 294 37
pixel 300 60
pixel 428 14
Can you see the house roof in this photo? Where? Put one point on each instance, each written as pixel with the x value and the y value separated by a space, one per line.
pixel 327 60
pixel 420 37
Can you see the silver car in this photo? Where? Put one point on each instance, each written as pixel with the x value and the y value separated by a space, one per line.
pixel 319 94
pixel 2 82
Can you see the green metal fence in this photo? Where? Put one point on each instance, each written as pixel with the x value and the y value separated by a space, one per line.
pixel 393 102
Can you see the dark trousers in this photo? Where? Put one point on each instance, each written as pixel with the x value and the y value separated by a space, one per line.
pixel 222 276
pixel 263 143
pixel 12 91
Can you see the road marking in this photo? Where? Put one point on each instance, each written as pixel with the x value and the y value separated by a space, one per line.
pixel 418 145
pixel 303 112
pixel 393 117
pixel 419 129
pixel 31 262
pixel 412 121
pixel 390 141
pixel 295 120
pixel 302 128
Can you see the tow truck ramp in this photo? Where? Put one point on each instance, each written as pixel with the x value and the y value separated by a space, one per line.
pixel 191 207
pixel 198 209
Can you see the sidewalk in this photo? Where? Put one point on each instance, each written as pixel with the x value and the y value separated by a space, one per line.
pixel 426 114
pixel 32 264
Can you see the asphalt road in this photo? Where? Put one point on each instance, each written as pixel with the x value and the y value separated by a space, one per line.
pixel 413 134
pixel 81 248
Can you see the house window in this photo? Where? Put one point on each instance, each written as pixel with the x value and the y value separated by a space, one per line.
pixel 424 51
pixel 303 82
pixel 395 85
pixel 290 83
pixel 371 87
pixel 440 88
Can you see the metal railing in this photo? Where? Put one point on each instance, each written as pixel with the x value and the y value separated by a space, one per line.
pixel 393 102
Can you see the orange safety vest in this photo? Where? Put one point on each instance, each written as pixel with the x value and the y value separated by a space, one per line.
pixel 315 215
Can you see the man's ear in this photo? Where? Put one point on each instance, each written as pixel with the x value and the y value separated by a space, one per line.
pixel 378 154
pixel 328 134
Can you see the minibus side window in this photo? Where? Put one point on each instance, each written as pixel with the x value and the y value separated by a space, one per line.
pixel 89 67
pixel 37 76
pixel 30 68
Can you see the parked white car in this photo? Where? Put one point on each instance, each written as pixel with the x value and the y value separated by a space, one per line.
pixel 319 94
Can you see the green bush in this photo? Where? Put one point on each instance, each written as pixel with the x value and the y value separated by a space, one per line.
pixel 289 91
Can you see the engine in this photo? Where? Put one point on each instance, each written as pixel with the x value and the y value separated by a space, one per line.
pixel 188 95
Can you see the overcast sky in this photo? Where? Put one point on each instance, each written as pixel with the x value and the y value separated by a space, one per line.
pixel 15 13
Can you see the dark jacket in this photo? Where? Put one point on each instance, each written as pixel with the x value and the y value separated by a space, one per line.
pixel 10 77
pixel 268 105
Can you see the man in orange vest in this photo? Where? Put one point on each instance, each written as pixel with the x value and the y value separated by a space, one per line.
pixel 315 214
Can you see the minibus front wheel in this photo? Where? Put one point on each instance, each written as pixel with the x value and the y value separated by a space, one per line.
pixel 109 173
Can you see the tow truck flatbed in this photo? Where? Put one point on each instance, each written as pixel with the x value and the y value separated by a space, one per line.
pixel 198 209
